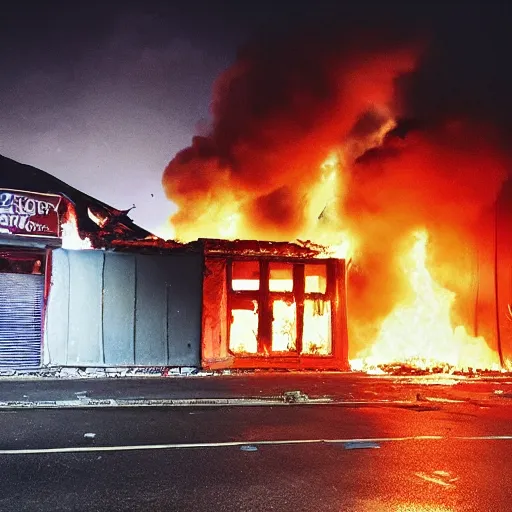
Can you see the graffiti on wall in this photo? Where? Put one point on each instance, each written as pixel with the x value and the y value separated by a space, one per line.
pixel 29 214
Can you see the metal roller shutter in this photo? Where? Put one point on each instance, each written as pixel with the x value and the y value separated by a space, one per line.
pixel 21 305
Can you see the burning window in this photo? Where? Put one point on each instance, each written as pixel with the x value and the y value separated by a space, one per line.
pixel 284 325
pixel 244 307
pixel 315 278
pixel 317 332
pixel 283 307
pixel 243 332
pixel 279 308
pixel 280 277
pixel 245 275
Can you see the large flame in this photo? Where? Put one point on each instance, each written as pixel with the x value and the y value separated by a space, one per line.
pixel 270 168
pixel 307 142
pixel 419 331
pixel 222 213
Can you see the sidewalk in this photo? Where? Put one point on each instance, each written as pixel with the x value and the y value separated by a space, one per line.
pixel 337 387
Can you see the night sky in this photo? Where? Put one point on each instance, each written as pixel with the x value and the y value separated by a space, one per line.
pixel 103 96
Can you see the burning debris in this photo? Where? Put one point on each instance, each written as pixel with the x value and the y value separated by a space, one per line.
pixel 110 228
pixel 309 142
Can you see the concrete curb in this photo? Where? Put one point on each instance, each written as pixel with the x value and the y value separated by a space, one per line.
pixel 111 403
pixel 186 402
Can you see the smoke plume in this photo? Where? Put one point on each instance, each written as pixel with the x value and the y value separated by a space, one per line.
pixel 283 108
pixel 277 113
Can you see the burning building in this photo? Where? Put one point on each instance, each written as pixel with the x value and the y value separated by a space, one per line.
pixel 84 286
pixel 272 305
pixel 312 139
pixel 42 222
pixel 318 225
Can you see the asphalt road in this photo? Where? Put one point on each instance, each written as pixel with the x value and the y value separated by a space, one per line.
pixel 302 458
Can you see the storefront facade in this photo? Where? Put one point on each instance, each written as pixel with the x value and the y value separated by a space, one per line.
pixel 29 228
pixel 129 299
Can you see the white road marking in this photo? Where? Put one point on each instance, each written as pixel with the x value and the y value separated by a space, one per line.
pixel 435 480
pixel 178 446
pixel 360 446
pixel 486 438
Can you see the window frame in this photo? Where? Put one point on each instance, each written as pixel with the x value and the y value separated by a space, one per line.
pixel 265 298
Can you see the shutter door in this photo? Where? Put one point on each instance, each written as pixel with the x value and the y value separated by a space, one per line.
pixel 21 305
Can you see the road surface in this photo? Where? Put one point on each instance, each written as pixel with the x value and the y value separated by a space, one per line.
pixel 418 457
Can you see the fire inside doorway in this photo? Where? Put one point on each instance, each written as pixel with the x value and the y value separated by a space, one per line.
pixel 272 305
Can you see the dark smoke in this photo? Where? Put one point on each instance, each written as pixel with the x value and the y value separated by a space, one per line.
pixel 277 113
pixel 285 104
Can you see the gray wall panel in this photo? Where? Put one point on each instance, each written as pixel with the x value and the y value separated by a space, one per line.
pixel 151 311
pixel 119 309
pixel 124 309
pixel 57 320
pixel 85 344
pixel 184 299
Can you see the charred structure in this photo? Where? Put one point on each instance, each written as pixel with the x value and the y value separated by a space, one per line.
pixel 94 289
pixel 272 305
pixel 315 136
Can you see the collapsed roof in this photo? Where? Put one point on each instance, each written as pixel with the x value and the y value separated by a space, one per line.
pixel 110 223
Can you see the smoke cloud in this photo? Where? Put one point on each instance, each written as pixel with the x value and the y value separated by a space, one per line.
pixel 279 112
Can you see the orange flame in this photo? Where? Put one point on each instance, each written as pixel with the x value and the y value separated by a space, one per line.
pixel 262 173
pixel 419 331
pixel 71 238
pixel 221 214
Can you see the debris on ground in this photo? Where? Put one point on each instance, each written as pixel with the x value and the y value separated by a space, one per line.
pixel 295 396
pixel 358 445
pixel 248 448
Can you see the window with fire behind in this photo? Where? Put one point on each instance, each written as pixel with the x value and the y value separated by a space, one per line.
pixel 279 308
